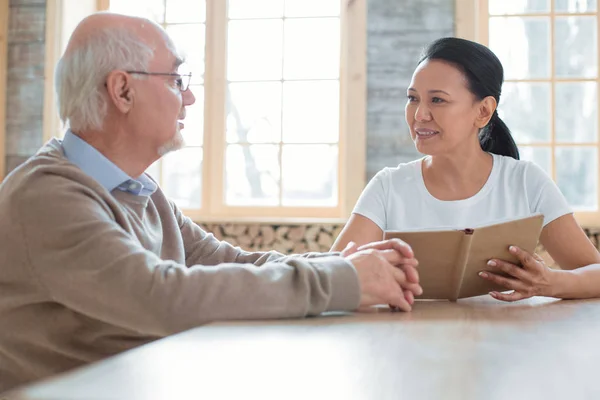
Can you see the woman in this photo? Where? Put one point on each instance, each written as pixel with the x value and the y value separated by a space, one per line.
pixel 471 176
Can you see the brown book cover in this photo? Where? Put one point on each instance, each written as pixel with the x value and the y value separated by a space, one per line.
pixel 450 260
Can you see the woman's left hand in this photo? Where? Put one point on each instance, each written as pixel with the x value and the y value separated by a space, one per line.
pixel 534 278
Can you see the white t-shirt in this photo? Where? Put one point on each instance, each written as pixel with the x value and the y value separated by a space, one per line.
pixel 397 199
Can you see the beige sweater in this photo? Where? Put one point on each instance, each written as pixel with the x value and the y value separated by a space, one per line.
pixel 86 274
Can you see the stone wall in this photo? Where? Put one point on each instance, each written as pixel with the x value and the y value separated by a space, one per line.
pixel 25 80
pixel 397 31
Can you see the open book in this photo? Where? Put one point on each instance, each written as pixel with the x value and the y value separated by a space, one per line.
pixel 450 260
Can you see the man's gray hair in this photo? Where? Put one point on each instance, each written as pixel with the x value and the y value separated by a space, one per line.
pixel 81 74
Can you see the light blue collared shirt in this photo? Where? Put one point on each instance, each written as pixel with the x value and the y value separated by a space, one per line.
pixel 93 163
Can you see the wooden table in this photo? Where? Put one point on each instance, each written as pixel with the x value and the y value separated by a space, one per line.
pixel 474 349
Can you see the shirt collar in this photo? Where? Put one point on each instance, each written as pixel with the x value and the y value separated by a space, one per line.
pixel 96 165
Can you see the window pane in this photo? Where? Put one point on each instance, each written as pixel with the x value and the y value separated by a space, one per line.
pixel 151 9
pixel 541 156
pixel 255 9
pixel 254 112
pixel 312 48
pixel 523 46
pixel 576 112
pixel 182 177
pixel 252 175
pixel 574 6
pixel 254 50
pixel 193 132
pixel 311 112
pixel 179 11
pixel 498 7
pixel 309 175
pixel 312 8
pixel 190 40
pixel 154 170
pixel 575 47
pixel 526 110
pixel 577 176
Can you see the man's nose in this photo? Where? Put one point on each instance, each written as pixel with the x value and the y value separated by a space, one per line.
pixel 188 97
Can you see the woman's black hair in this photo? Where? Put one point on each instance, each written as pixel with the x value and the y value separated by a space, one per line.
pixel 485 76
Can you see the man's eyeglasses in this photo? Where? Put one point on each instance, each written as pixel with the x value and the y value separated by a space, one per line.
pixel 182 80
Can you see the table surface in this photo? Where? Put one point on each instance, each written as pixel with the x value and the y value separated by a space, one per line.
pixel 476 348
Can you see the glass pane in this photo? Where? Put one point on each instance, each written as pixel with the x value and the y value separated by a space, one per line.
pixel 190 40
pixel 576 50
pixel 193 131
pixel 254 112
pixel 182 177
pixel 542 156
pixel 151 9
pixel 154 170
pixel 577 176
pixel 309 175
pixel 523 46
pixel 252 175
pixel 312 48
pixel 499 7
pixel 255 9
pixel 254 50
pixel 179 11
pixel 526 110
pixel 574 6
pixel 311 8
pixel 311 112
pixel 576 112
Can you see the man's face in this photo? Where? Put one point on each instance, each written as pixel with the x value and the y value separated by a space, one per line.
pixel 160 103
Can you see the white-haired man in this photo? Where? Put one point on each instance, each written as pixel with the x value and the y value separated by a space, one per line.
pixel 96 260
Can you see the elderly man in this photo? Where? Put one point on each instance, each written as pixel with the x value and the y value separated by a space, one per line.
pixel 96 260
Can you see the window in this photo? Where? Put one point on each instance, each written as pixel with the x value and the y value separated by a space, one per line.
pixel 3 72
pixel 549 50
pixel 278 127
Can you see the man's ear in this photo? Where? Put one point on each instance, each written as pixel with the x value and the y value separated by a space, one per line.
pixel 485 112
pixel 120 92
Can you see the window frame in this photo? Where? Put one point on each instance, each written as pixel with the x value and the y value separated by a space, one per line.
pixel 351 145
pixel 4 15
pixel 472 22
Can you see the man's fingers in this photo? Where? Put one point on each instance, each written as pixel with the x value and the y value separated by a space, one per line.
pixel 398 274
pixel 412 275
pixel 396 244
pixel 399 301
pixel 414 288
pixel 409 296
pixel 393 257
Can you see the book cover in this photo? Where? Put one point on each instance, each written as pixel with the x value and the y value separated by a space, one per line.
pixel 450 259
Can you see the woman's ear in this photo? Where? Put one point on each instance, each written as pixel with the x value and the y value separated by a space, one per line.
pixel 487 107
pixel 120 92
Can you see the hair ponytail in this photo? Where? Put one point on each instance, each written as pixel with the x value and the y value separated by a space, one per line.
pixel 496 138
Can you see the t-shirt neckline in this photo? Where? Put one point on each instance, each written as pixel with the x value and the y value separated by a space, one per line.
pixel 489 184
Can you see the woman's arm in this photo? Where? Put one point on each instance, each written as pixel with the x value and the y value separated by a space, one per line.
pixel 360 230
pixel 568 244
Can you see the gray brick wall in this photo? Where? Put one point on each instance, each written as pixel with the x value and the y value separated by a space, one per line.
pixel 397 31
pixel 25 80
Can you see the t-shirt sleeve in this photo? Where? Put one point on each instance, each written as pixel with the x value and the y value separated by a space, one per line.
pixel 372 201
pixel 544 195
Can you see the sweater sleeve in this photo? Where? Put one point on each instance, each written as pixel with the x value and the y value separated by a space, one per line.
pixel 204 248
pixel 90 264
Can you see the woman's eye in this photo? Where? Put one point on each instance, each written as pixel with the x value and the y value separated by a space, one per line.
pixel 411 98
pixel 437 100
